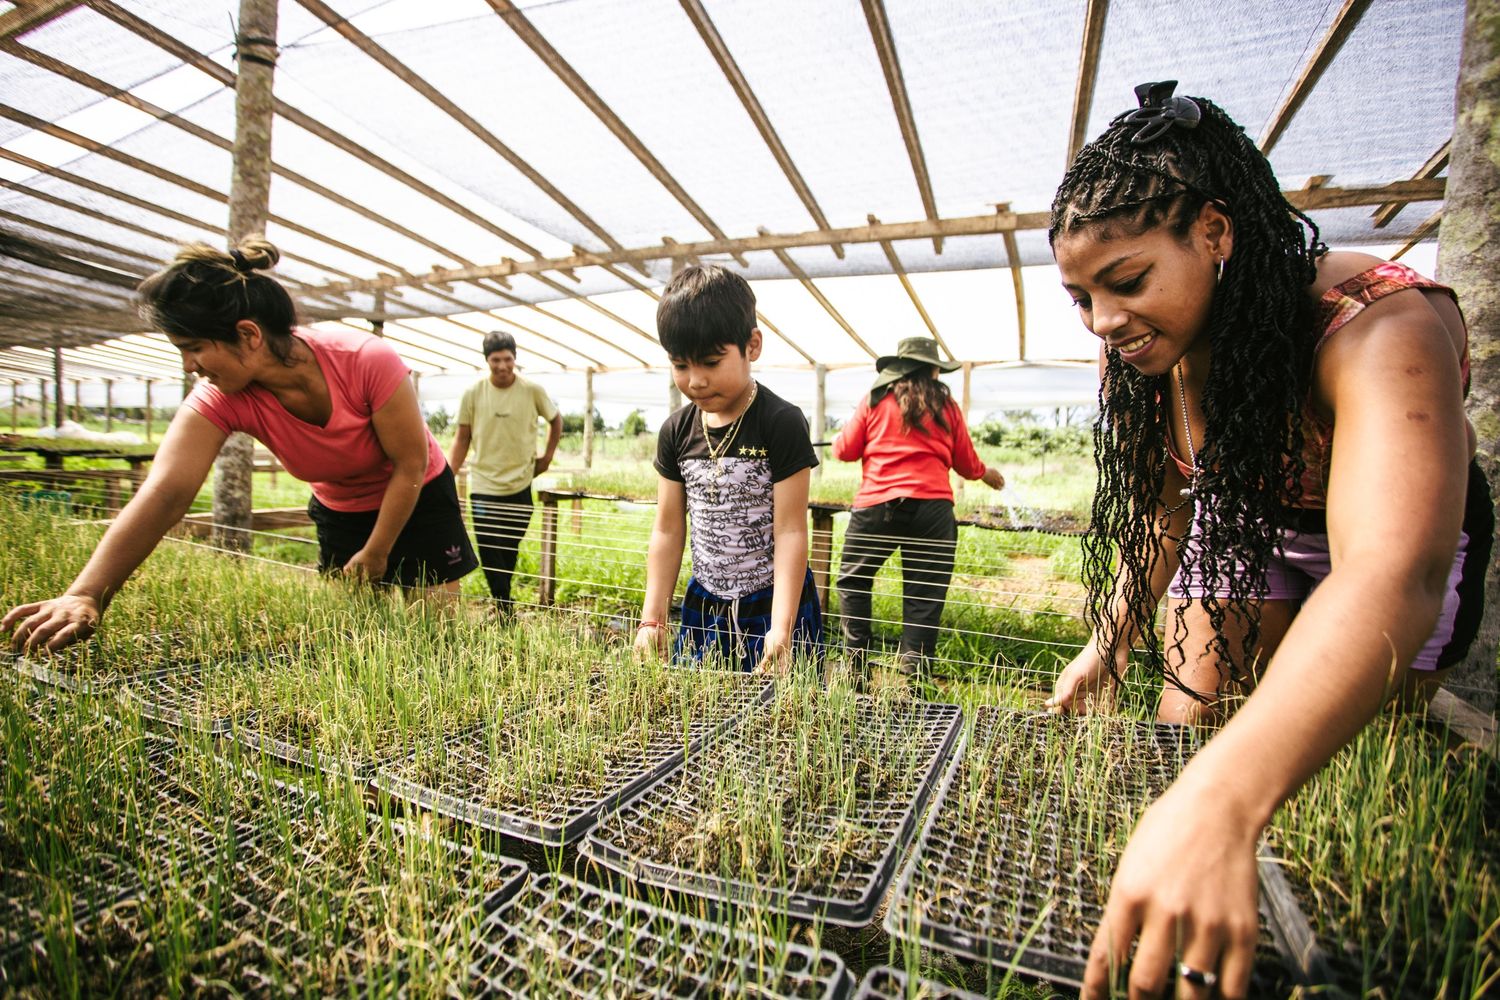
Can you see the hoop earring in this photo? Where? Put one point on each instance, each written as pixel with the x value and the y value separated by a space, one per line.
pixel 1219 272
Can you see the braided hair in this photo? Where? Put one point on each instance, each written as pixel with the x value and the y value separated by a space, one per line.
pixel 1159 166
pixel 205 291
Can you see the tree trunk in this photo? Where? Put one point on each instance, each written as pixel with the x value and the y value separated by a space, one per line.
pixel 1468 260
pixel 249 206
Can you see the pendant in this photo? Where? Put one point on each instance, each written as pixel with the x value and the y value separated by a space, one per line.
pixel 1186 492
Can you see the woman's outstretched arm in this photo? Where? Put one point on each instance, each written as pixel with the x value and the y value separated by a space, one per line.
pixel 181 464
pixel 1186 883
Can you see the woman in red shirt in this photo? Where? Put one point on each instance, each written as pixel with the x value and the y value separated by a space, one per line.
pixel 908 433
pixel 337 410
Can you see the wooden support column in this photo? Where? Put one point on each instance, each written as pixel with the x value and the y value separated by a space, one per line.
pixel 15 406
pixel 78 400
pixel 546 584
pixel 249 208
pixel 820 556
pixel 109 405
pixel 588 418
pixel 41 401
pixel 57 387
pixel 148 410
pixel 820 413
pixel 674 395
pixel 964 400
pixel 1468 247
pixel 377 325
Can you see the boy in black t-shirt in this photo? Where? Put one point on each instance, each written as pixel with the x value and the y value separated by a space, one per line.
pixel 736 460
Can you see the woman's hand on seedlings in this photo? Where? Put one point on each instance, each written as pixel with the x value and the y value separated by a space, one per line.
pixel 1186 889
pixel 651 641
pixel 367 565
pixel 1084 685
pixel 776 654
pixel 52 624
pixel 992 478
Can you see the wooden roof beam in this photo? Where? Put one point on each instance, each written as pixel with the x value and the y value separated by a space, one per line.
pixel 563 70
pixel 1018 282
pixel 795 270
pixel 227 77
pixel 762 121
pixel 911 293
pixel 1436 164
pixel 186 183
pixel 597 308
pixel 138 259
pixel 60 68
pixel 1094 18
pixel 1333 39
pixel 474 329
pixel 989 224
pixel 31 14
pixel 408 344
pixel 515 300
pixel 406 75
pixel 890 64
pixel 1423 231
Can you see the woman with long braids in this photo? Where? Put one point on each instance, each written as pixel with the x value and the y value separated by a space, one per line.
pixel 908 432
pixel 1282 449
pixel 337 410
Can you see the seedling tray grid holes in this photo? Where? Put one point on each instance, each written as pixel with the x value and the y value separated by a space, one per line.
pixel 1013 865
pixel 584 941
pixel 886 983
pixel 835 861
pixel 457 783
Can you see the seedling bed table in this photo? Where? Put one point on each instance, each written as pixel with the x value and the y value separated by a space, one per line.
pixel 104 660
pixel 804 809
pixel 564 937
pixel 274 887
pixel 1013 864
pixel 459 782
pixel 886 983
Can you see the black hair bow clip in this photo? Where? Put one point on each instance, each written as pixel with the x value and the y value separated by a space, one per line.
pixel 1159 111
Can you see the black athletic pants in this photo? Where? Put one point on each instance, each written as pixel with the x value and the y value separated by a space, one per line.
pixel 927 535
pixel 500 523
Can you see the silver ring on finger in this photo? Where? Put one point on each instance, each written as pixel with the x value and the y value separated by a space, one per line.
pixel 1198 977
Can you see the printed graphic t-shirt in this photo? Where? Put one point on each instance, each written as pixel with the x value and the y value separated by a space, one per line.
pixel 732 513
pixel 342 460
pixel 502 425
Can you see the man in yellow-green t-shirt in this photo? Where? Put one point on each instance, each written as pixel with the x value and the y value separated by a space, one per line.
pixel 498 417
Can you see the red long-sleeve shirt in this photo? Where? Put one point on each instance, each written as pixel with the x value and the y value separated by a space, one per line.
pixel 898 463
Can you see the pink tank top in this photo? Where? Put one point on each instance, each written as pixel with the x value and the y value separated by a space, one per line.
pixel 1337 307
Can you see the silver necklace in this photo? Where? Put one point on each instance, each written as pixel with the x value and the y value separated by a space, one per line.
pixel 1187 429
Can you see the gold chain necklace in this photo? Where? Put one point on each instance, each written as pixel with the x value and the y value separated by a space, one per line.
pixel 716 455
pixel 1187 429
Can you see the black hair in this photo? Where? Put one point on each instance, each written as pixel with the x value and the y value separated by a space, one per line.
pixel 1250 463
pixel 703 311
pixel 205 291
pixel 498 340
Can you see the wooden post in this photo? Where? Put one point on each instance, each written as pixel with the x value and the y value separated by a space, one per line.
pixel 963 404
pixel 249 207
pixel 78 400
pixel 377 325
pixel 546 584
pixel 148 410
pixel 15 406
pixel 674 397
pixel 820 559
pixel 41 402
pixel 57 387
pixel 1467 239
pixel 109 405
pixel 820 414
pixel 588 418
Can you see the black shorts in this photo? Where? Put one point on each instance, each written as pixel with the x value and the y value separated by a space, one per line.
pixel 433 548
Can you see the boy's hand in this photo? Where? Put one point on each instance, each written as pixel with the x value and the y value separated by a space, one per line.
pixel 651 640
pixel 776 655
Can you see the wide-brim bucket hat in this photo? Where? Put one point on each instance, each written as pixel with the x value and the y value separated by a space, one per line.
pixel 912 354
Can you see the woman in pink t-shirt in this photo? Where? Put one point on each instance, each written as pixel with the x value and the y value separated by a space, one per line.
pixel 908 434
pixel 337 410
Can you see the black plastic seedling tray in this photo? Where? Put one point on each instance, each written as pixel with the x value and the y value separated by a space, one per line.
pixel 852 894
pixel 85 667
pixel 460 795
pixel 173 697
pixel 970 888
pixel 886 983
pixel 93 883
pixel 562 937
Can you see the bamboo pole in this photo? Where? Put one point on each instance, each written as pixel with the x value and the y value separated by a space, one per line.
pixel 109 405
pixel 820 410
pixel 41 399
pixel 148 409
pixel 249 209
pixel 588 418
pixel 57 387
